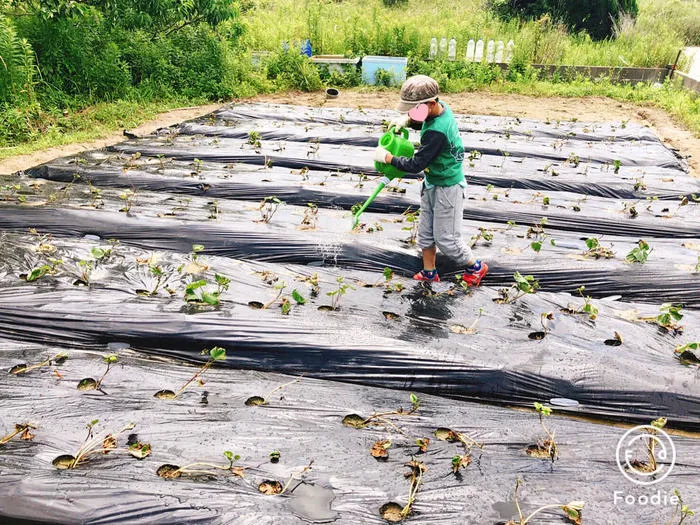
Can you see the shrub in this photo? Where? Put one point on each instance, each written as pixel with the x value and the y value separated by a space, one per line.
pixel 17 67
pixel 292 70
pixel 596 17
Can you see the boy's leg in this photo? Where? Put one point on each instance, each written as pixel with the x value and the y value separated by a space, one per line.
pixel 447 224
pixel 425 239
pixel 447 229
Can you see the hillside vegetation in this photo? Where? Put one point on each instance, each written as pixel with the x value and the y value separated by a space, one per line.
pixel 72 70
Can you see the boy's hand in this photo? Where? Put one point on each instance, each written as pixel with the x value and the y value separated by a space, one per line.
pixel 382 155
pixel 402 121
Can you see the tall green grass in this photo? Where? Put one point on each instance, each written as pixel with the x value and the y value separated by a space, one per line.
pixel 356 27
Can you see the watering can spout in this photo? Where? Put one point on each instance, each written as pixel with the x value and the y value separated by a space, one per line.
pixel 399 146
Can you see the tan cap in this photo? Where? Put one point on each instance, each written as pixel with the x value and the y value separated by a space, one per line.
pixel 416 90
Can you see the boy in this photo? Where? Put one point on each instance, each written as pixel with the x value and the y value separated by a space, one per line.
pixel 442 194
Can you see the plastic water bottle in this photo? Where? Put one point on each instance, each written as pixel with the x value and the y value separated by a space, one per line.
pixel 510 47
pixel 470 50
pixel 443 46
pixel 306 47
pixel 433 48
pixel 452 50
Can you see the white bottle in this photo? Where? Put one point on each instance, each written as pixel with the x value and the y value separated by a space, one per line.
pixel 443 46
pixel 452 50
pixel 470 50
pixel 499 51
pixel 490 50
pixel 510 46
pixel 433 48
pixel 479 54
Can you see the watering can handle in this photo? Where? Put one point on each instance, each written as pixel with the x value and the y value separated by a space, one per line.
pixel 401 131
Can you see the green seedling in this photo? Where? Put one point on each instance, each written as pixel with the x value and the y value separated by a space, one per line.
pixel 472 329
pixel 273 487
pixel 95 195
pixel 45 269
pixel 356 421
pixel 23 368
pixel 159 275
pixel 259 401
pixel 215 354
pixel 682 509
pixel 268 207
pixel 197 293
pixel 279 288
pixel 596 250
pixel 688 353
pixel 336 294
pixel 412 218
pixel 275 456
pixel 545 317
pixel 574 160
pixel 651 463
pixel 393 512
pixel 254 139
pixel 214 209
pixel 23 430
pixel 310 218
pixel 588 307
pixel 459 461
pixel 197 167
pixel 548 447
pixel 524 284
pixel 483 234
pixel 572 510
pixel 537 232
pixel 89 383
pixel 617 165
pixel 129 198
pixel 668 316
pixel 169 471
pixel 102 443
pixel 640 254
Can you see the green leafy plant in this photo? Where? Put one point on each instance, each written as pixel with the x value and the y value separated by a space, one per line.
pixel 668 316
pixel 129 198
pixel 197 292
pixel 310 218
pixel 23 368
pixel 356 421
pixel 596 250
pixel 689 352
pixel 260 400
pixel 483 234
pixel 254 139
pixel 268 207
pixel 102 443
pixel 89 383
pixel 640 253
pixel 393 512
pixel 524 284
pixel 340 291
pixel 682 509
pixel 412 218
pixel 588 307
pixel 651 463
pixel 617 165
pixel 215 354
pixel 23 430
pixel 459 461
pixel 572 510
pixel 546 448
pixel 170 471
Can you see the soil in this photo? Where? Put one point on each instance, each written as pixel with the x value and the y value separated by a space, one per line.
pixel 588 109
pixel 585 109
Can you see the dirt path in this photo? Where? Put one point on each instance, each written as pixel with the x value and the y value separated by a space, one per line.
pixel 589 109
pixel 585 109
pixel 175 116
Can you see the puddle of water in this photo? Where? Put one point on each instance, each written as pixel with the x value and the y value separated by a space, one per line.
pixel 312 503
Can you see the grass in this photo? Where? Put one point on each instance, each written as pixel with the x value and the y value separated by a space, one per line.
pixel 94 122
pixel 356 27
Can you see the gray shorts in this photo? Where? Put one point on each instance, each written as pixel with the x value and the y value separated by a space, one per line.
pixel 440 222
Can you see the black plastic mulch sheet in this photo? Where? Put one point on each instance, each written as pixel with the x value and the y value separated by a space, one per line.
pixel 303 422
pixel 202 183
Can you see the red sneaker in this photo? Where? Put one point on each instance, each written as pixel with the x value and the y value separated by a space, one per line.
pixel 420 276
pixel 474 278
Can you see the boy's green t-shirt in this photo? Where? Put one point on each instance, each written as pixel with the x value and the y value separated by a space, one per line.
pixel 446 168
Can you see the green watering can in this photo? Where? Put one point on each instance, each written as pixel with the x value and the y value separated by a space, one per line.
pixel 398 146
